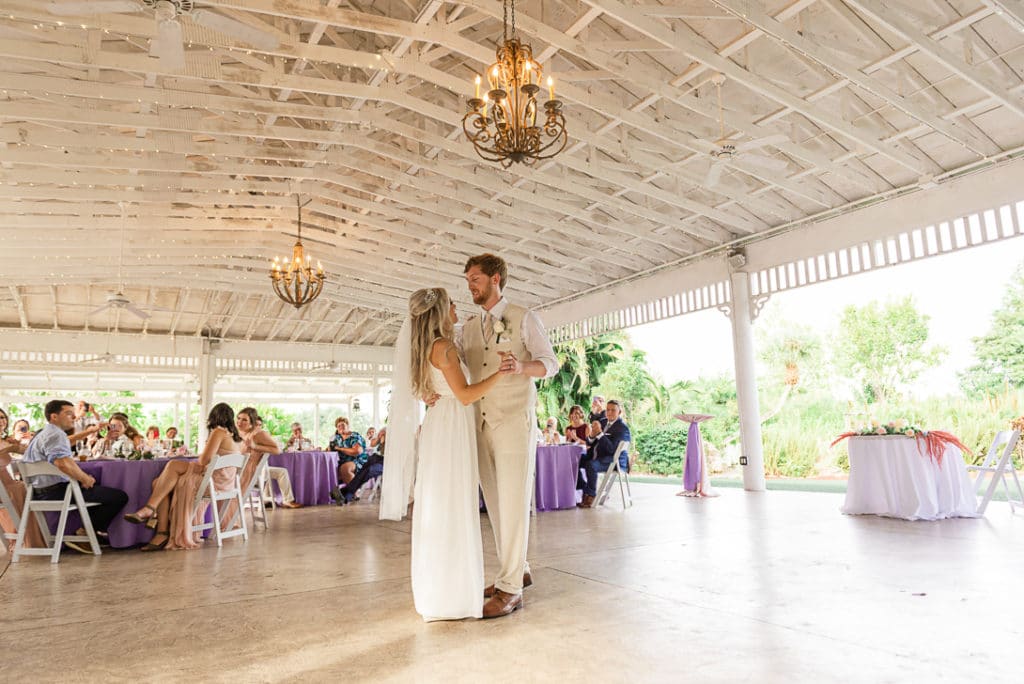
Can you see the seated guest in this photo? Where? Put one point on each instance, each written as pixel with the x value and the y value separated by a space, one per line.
pixel 130 432
pixel 351 448
pixel 603 442
pixel 16 492
pixel 8 444
pixel 597 410
pixel 551 434
pixel 374 467
pixel 256 442
pixel 152 434
pixel 297 442
pixel 51 444
pixel 371 443
pixel 22 432
pixel 172 516
pixel 578 430
pixel 85 416
pixel 171 433
pixel 115 442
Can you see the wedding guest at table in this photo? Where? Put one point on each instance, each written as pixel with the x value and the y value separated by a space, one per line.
pixel 16 493
pixel 22 432
pixel 374 467
pixel 597 410
pixel 51 444
pixel 115 441
pixel 578 429
pixel 152 434
pixel 351 448
pixel 171 433
pixel 552 436
pixel 173 518
pixel 255 442
pixel 130 432
pixel 85 416
pixel 8 443
pixel 297 442
pixel 603 441
pixel 371 446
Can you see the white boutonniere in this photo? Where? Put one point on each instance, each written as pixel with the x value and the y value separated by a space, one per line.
pixel 498 327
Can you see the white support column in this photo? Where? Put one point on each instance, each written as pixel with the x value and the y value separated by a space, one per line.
pixel 207 377
pixel 316 422
pixel 751 456
pixel 188 419
pixel 177 414
pixel 376 402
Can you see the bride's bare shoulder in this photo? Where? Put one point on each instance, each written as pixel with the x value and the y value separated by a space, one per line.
pixel 443 353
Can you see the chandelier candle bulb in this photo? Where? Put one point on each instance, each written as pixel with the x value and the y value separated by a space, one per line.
pixel 551 88
pixel 477 96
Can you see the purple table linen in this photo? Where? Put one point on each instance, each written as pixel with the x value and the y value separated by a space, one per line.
pixel 694 459
pixel 313 474
pixel 557 470
pixel 135 478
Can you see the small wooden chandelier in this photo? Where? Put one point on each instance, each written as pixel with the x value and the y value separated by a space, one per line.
pixel 294 279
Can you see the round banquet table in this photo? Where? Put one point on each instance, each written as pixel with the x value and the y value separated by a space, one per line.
pixel 135 478
pixel 557 470
pixel 313 474
pixel 889 476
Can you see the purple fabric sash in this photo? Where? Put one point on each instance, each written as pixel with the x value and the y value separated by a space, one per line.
pixel 693 470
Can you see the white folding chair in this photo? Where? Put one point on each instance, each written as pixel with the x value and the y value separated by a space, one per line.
pixel 207 492
pixel 374 486
pixel 7 505
pixel 37 508
pixel 999 463
pixel 615 472
pixel 256 495
pixel 266 488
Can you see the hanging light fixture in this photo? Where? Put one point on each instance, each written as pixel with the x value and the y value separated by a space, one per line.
pixel 503 125
pixel 294 279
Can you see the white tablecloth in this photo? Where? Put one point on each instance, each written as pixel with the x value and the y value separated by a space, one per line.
pixel 890 477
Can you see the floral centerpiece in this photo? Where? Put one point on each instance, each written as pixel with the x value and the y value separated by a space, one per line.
pixel 931 443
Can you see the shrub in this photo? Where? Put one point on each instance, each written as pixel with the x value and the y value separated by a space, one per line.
pixel 661 449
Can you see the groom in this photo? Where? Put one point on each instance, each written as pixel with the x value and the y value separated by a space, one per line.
pixel 511 337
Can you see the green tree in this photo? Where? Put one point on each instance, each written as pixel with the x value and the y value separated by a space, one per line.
pixel 883 347
pixel 1000 351
pixel 793 355
pixel 629 380
pixel 582 364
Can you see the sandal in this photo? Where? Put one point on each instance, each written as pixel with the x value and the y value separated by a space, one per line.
pixel 136 519
pixel 150 546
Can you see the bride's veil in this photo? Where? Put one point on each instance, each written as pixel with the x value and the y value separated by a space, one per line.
pixel 403 420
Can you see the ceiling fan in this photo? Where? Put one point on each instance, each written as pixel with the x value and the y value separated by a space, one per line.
pixel 727 150
pixel 106 357
pixel 168 45
pixel 332 367
pixel 117 300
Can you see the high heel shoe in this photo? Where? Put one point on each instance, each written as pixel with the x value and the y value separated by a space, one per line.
pixel 150 546
pixel 136 519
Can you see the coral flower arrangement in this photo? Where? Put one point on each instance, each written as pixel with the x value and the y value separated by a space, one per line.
pixel 931 443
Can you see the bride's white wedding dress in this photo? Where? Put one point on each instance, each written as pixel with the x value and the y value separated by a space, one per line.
pixel 447 557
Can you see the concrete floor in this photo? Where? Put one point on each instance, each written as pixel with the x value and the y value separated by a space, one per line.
pixel 775 587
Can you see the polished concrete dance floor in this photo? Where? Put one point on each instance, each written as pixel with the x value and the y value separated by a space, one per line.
pixel 770 587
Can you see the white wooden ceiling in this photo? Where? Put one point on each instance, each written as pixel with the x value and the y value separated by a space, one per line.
pixel 359 109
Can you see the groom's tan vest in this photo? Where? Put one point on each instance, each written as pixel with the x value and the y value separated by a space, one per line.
pixel 515 396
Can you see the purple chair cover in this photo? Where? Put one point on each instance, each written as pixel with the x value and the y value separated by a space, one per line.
pixel 692 472
pixel 557 469
pixel 135 478
pixel 313 474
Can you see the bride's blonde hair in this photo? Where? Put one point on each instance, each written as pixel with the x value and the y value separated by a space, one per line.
pixel 429 320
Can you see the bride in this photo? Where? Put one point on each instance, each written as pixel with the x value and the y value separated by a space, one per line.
pixel 447 559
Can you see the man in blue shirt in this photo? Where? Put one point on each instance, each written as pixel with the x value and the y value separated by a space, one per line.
pixel 601 451
pixel 51 444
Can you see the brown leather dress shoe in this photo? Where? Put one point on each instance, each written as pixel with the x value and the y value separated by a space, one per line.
pixel 502 604
pixel 527 581
pixel 588 502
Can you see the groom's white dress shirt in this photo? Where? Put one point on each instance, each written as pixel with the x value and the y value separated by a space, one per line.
pixel 535 339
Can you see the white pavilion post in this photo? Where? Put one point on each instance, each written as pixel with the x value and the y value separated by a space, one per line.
pixel 188 419
pixel 376 402
pixel 177 414
pixel 207 376
pixel 751 456
pixel 316 422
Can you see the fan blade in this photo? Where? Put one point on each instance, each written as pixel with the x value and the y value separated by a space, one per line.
pixel 764 162
pixel 100 310
pixel 132 309
pixel 714 174
pixel 762 142
pixel 82 9
pixel 167 46
pixel 235 29
pixel 706 145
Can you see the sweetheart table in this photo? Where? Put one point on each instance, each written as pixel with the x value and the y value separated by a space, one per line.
pixel 890 477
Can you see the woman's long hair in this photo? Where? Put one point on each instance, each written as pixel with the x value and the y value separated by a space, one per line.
pixel 129 431
pixel 7 423
pixel 429 320
pixel 250 413
pixel 223 416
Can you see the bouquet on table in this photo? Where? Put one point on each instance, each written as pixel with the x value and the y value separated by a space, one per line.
pixel 934 442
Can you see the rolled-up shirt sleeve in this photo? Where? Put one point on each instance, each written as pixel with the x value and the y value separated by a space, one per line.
pixel 535 339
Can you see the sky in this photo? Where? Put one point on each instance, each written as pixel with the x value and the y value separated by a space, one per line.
pixel 959 291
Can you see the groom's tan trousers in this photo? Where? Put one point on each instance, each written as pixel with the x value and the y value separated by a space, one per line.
pixel 507 455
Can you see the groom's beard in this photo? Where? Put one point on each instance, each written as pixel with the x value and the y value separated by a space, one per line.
pixel 482 296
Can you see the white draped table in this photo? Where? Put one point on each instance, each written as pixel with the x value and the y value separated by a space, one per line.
pixel 890 477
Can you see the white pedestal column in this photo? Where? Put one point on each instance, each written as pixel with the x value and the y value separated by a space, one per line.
pixel 376 403
pixel 187 431
pixel 207 377
pixel 751 456
pixel 316 423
